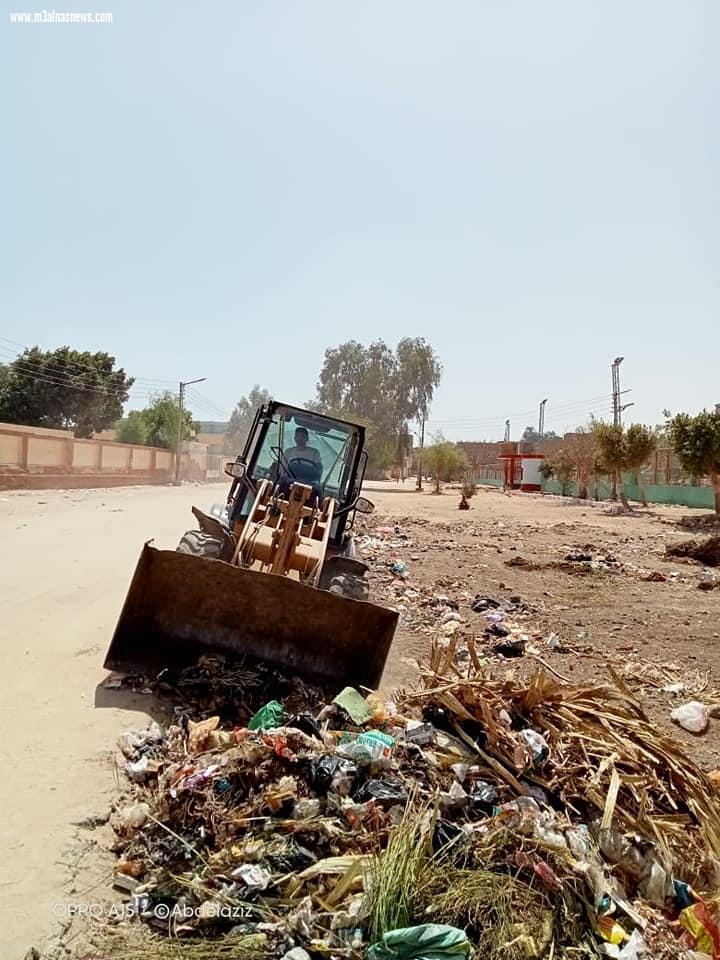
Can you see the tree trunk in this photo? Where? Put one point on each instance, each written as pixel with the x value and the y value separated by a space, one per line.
pixel 621 490
pixel 715 477
pixel 582 493
pixel 641 488
pixel 437 484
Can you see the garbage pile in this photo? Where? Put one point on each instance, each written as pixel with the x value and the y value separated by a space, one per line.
pixel 471 815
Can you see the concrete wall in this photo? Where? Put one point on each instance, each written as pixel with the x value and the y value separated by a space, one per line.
pixel 41 458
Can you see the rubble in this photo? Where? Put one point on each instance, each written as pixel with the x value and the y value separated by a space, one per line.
pixel 536 818
pixel 596 816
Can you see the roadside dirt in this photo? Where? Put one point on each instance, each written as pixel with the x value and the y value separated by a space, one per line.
pixel 612 616
pixel 69 556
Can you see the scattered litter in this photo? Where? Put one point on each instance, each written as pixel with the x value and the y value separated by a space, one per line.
pixel 693 716
pixel 530 817
pixel 355 705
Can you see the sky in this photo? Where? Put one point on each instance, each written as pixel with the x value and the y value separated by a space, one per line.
pixel 226 189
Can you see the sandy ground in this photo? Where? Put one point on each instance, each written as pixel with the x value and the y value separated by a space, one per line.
pixel 68 558
pixel 67 561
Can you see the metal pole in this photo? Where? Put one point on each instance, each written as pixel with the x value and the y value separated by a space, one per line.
pixel 541 419
pixel 419 485
pixel 617 422
pixel 178 441
pixel 616 390
pixel 178 447
pixel 507 431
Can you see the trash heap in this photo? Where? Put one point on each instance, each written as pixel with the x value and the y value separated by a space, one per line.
pixel 471 815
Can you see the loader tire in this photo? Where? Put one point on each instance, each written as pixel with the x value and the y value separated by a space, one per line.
pixel 200 544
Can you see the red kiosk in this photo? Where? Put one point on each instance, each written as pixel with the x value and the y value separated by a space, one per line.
pixel 521 467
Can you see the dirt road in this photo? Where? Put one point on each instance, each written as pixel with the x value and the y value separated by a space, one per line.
pixel 68 557
pixel 67 561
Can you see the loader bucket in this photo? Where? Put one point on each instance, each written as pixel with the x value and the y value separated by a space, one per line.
pixel 180 606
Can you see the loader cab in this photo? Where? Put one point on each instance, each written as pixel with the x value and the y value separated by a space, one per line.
pixel 337 450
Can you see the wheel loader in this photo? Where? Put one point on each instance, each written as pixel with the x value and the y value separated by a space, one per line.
pixel 272 574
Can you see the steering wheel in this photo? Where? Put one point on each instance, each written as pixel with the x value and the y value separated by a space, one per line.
pixel 314 469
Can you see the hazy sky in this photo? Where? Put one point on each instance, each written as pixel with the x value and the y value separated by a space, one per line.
pixel 225 189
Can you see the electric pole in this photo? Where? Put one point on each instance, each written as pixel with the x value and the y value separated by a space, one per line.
pixel 541 418
pixel 178 446
pixel 617 412
pixel 419 485
pixel 507 431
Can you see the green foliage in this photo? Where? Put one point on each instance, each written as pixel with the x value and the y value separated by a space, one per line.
pixel 242 418
pixel 531 434
pixel 562 467
pixel 619 450
pixel 640 444
pixel 63 389
pixel 696 441
pixel 133 429
pixel 444 460
pixel 157 424
pixel 381 389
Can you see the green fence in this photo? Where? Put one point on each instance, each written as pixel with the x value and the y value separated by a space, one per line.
pixel 700 497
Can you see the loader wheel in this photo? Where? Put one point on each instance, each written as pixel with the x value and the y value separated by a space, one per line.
pixel 200 544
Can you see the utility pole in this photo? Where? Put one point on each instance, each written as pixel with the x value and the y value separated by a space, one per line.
pixel 507 431
pixel 617 409
pixel 617 412
pixel 541 418
pixel 178 446
pixel 419 485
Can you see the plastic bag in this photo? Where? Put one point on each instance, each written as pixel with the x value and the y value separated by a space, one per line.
pixel 430 941
pixel 483 797
pixel 386 793
pixel 334 774
pixel 268 717
pixel 537 743
pixel 306 809
pixel 703 931
pixel 693 716
pixel 306 723
pixel 373 747
pixel 354 705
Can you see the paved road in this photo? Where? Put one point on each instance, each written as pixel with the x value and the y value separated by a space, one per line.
pixel 67 558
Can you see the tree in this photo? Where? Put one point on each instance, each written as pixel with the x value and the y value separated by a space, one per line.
pixel 133 429
pixel 64 389
pixel 611 453
pixel 157 424
pixel 560 466
pixel 381 388
pixel 581 450
pixel 532 435
pixel 640 444
pixel 696 441
pixel 444 460
pixel 242 417
pixel 620 450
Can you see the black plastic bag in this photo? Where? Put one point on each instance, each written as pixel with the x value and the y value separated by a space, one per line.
pixel 388 792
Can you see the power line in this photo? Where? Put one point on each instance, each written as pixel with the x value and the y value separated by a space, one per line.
pixel 72 385
pixel 567 406
pixel 86 367
pixel 203 401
